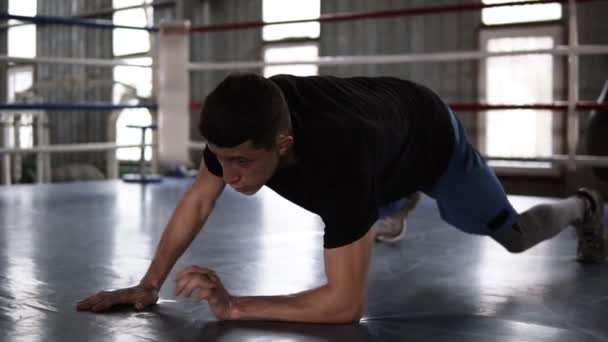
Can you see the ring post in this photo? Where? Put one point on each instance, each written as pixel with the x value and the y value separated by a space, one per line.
pixel 173 94
pixel 573 85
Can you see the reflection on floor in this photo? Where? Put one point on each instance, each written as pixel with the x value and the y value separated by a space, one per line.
pixel 60 243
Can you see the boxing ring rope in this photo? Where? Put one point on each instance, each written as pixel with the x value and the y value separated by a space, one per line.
pixel 173 66
pixel 107 62
pixel 45 149
pixel 322 61
pixel 74 106
pixel 557 106
pixel 42 149
pixel 328 18
pixel 61 148
pixel 400 59
pixel 90 23
pixel 394 13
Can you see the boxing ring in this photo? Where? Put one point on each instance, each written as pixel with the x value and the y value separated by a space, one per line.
pixel 63 242
pixel 172 68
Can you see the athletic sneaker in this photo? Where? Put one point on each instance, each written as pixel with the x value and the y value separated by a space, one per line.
pixel 393 227
pixel 590 230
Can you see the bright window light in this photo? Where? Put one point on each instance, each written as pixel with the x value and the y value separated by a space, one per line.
pixel 133 77
pixel 132 82
pixel 22 41
pixel 22 38
pixel 132 136
pixel 19 78
pixel 22 7
pixel 127 41
pixel 519 80
pixel 127 3
pixel 294 52
pixel 26 130
pixel 24 123
pixel 282 10
pixel 519 13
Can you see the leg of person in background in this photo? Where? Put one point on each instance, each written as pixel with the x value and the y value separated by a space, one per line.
pixel 392 224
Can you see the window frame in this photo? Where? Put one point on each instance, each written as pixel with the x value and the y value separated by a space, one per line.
pixel 290 42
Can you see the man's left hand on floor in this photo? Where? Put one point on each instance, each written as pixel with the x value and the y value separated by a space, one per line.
pixel 210 289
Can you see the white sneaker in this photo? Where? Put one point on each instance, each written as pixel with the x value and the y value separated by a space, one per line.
pixel 389 229
pixel 392 228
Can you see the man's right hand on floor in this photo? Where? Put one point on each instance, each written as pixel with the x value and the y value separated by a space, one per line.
pixel 139 296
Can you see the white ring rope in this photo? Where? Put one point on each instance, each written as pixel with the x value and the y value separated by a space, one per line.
pixel 73 61
pixel 405 58
pixel 88 147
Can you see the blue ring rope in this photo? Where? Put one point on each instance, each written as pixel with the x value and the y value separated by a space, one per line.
pixel 97 23
pixel 72 106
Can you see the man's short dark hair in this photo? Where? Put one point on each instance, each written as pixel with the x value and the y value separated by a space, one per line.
pixel 244 106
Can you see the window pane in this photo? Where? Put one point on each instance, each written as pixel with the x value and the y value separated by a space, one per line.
pixel 26 131
pixel 275 10
pixel 18 80
pixel 8 130
pixel 281 10
pixel 130 41
pixel 129 136
pixel 22 41
pixel 300 52
pixel 519 14
pixel 138 78
pixel 22 7
pixel 21 124
pixel 519 80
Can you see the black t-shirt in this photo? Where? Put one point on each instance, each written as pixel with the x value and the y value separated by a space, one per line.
pixel 360 143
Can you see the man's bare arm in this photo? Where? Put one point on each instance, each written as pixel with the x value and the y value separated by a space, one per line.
pixel 185 224
pixel 340 300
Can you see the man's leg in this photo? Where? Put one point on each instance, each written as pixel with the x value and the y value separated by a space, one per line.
pixel 585 211
pixel 471 198
pixel 392 224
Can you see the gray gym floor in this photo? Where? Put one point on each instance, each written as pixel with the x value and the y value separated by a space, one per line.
pixel 61 243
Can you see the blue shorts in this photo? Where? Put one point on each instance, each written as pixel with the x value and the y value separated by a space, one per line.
pixel 468 194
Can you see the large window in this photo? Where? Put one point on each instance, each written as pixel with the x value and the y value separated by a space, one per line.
pixel 291 42
pixel 132 83
pixel 524 79
pixel 521 79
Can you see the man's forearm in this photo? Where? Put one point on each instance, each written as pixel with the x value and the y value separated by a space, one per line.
pixel 186 222
pixel 321 305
